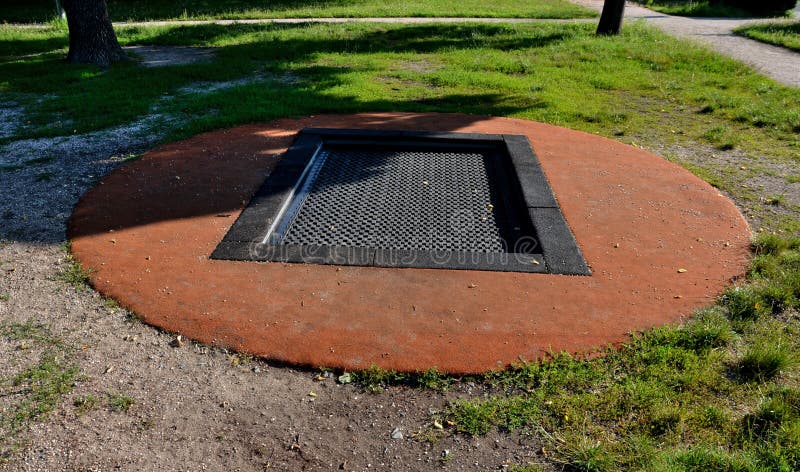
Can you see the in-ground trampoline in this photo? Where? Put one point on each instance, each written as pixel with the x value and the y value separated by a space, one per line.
pixel 407 241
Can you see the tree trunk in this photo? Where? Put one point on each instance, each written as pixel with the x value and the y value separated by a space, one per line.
pixel 611 18
pixel 91 37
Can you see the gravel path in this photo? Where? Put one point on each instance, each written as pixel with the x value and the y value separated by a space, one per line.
pixel 782 65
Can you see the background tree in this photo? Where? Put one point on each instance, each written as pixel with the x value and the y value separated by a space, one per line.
pixel 611 18
pixel 60 11
pixel 91 37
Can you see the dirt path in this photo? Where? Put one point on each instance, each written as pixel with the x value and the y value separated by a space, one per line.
pixel 782 65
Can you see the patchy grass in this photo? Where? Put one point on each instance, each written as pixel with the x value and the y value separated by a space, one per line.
pixel 39 388
pixel 717 393
pixel 144 10
pixel 74 274
pixel 120 402
pixel 376 379
pixel 782 34
pixel 765 359
pixel 85 404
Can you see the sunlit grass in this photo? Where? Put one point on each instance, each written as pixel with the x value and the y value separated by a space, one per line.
pixel 780 34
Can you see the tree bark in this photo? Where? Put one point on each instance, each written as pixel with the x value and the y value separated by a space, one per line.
pixel 611 18
pixel 91 37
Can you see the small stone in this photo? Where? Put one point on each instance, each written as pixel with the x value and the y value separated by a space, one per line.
pixel 256 370
pixel 437 425
pixel 345 378
pixel 177 342
pixel 397 434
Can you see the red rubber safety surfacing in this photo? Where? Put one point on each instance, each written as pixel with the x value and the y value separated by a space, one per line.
pixel 148 228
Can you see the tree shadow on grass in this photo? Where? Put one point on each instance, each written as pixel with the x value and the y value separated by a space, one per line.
pixel 124 93
pixel 28 11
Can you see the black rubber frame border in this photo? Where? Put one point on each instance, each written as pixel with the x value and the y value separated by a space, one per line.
pixel 560 253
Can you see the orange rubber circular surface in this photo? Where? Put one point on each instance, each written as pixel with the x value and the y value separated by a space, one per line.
pixel 148 228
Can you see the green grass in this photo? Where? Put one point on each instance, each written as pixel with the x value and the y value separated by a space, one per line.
pixel 120 402
pixel 718 393
pixel 85 404
pixel 780 34
pixel 37 389
pixel 376 380
pixel 74 274
pixel 25 11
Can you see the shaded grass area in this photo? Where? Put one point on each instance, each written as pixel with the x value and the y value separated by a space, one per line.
pixel 29 11
pixel 642 88
pixel 786 35
pixel 718 393
pixel 704 8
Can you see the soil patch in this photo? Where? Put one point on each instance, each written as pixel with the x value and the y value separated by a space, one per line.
pixel 160 56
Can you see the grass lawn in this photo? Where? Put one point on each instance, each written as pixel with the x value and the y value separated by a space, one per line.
pixel 700 8
pixel 718 393
pixel 780 34
pixel 27 11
